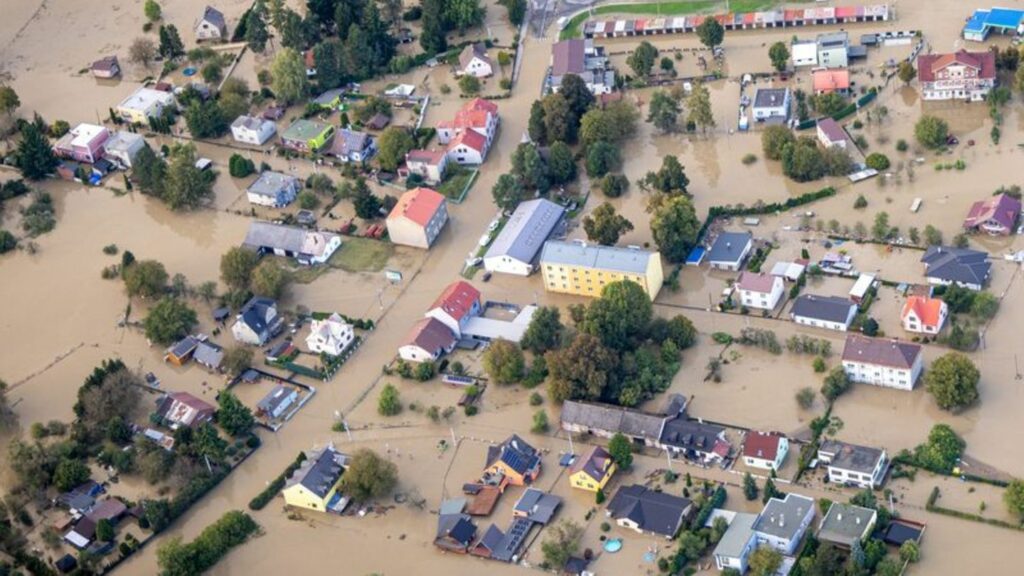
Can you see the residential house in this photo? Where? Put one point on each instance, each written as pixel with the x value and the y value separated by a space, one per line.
pixel 459 302
pixel 515 460
pixel 829 312
pixel 181 351
pixel 277 402
pixel 729 250
pixel 605 420
pixel 846 524
pixel 996 216
pixel 490 544
pixel 585 269
pixel 84 532
pixel 772 103
pixel 257 322
pixel 783 522
pixel 582 58
pixel 474 61
pixel 861 288
pixel 417 218
pixel 759 290
pixel 638 508
pixel 804 53
pixel 882 361
pixel 331 335
pixel 853 465
pixel 831 134
pixel 469 136
pixel 309 247
pixel 455 532
pixel 429 165
pixel 378 122
pixel 593 470
pixel 106 67
pixel 122 147
pixel 512 328
pixel 314 485
pixel 827 81
pixel 695 440
pixel 143 104
pixel 352 146
pixel 536 506
pixel 83 143
pixel 924 315
pixel 428 340
pixel 517 248
pixel 252 130
pixel 211 26
pixel 209 355
pixel 181 409
pixel 273 189
pixel 766 450
pixel 833 50
pixel 330 99
pixel 733 550
pixel 960 75
pixel 945 265
pixel 307 136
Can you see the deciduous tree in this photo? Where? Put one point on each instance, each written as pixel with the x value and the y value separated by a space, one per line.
pixel 507 192
pixel 641 60
pixel 582 370
pixel 779 55
pixel 674 225
pixel 663 111
pixel 504 362
pixel 710 32
pixel 604 225
pixel 168 321
pixel 288 71
pixel 368 476
pixel 544 332
pixel 621 450
pixel 145 279
pixel 394 143
pixel 620 317
pixel 952 380
pixel 142 51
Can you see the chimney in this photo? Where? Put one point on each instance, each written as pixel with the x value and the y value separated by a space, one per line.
pixel 782 520
pixel 858 520
pixel 839 516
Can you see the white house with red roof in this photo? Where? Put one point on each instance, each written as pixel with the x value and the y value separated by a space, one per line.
pixel 430 165
pixel 760 290
pixel 766 450
pixel 418 218
pixel 924 315
pixel 470 135
pixel 428 340
pixel 459 302
pixel 961 75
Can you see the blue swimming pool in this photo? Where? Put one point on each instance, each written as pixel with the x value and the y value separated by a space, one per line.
pixel 190 71
pixel 613 545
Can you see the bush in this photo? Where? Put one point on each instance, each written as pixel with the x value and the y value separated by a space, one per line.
pixel 749 159
pixel 878 161
pixel 239 166
pixel 388 403
pixel 536 399
pixel 901 145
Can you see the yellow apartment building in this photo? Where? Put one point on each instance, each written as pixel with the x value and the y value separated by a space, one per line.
pixel 585 269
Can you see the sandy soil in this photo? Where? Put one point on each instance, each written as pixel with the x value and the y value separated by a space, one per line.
pixel 61 318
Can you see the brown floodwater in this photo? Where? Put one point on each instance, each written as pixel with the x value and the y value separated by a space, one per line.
pixel 60 318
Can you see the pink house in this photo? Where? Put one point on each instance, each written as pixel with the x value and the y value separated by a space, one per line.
pixel 83 143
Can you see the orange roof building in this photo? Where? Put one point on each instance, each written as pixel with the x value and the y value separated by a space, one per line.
pixel 418 218
pixel 924 315
pixel 828 81
pixel 470 134
pixel 459 302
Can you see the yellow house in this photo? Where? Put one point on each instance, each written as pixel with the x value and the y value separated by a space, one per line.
pixel 585 269
pixel 143 104
pixel 592 471
pixel 314 485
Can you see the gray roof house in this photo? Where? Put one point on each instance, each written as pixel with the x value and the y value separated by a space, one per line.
pixel 964 267
pixel 771 103
pixel 319 473
pixel 855 465
pixel 783 522
pixel 277 401
pixel 306 246
pixel 845 524
pixel 605 420
pixel 832 312
pixel 515 455
pixel 518 245
pixel 257 322
pixel 273 189
pixel 737 543
pixel 537 506
pixel 352 146
pixel 212 25
pixel 729 250
pixel 455 532
pixel 645 510
pixel 695 440
pixel 209 354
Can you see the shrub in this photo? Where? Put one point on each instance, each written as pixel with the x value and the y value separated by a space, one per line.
pixel 878 161
pixel 749 159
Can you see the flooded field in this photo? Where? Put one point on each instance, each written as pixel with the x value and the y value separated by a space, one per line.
pixel 60 318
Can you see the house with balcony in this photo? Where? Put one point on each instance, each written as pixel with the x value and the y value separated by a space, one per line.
pixel 882 361
pixel 853 465
pixel 961 75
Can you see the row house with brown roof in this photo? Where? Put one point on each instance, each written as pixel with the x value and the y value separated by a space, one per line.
pixel 882 362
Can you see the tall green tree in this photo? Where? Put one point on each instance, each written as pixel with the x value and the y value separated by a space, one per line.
pixel 233 416
pixel 576 93
pixel 463 14
pixel 288 71
pixel 507 192
pixel 504 362
pixel 621 450
pixel 561 163
pixel 187 187
pixel 710 32
pixel 256 34
pixel 394 143
pixel 537 126
pixel 236 266
pixel 168 321
pixel 698 107
pixel 516 10
pixel 171 45
pixel 602 158
pixel 34 155
pixel 663 111
pixel 1013 497
pixel 9 101
pixel 765 561
pixel 779 56
pixel 559 121
pixel 641 60
pixel 149 171
pixel 530 168
pixel 368 476
pixel 145 279
pixel 346 14
pixel 269 279
pixel 952 380
pixel 670 178
pixel 582 370
pixel 152 10
pixel 605 226
pixel 432 35
pixel 931 131
pixel 621 315
pixel 906 72
pixel 674 225
pixel 544 332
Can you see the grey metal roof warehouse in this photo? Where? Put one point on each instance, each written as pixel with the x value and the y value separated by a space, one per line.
pixel 527 229
pixel 628 260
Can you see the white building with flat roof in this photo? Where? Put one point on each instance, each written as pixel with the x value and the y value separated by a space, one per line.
pixel 143 104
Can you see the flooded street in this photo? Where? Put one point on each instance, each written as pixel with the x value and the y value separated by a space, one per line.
pixel 59 318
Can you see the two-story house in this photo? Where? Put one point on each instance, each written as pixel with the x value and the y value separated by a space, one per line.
pixel 961 75
pixel 759 290
pixel 882 362
pixel 417 218
pixel 783 523
pixel 924 315
pixel 257 322
pixel 853 465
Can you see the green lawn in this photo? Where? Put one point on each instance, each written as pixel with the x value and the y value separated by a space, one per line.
pixel 453 186
pixel 362 255
pixel 676 8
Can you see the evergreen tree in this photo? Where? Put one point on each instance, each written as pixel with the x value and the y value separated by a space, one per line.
pixel 170 42
pixel 34 156
pixel 256 34
pixel 327 56
pixel 346 14
pixel 432 37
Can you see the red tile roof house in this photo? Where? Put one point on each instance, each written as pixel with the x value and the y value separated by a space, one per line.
pixel 428 340
pixel 179 409
pixel 430 165
pixel 766 450
pixel 459 302
pixel 924 315
pixel 760 291
pixel 418 218
pixel 882 362
pixel 962 75
pixel 828 81
pixel 83 143
pixel 995 216
pixel 478 116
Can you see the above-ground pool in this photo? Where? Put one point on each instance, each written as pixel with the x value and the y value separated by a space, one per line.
pixel 613 545
pixel 190 71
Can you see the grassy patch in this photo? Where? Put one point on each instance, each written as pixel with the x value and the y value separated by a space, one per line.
pixel 678 8
pixel 355 255
pixel 453 186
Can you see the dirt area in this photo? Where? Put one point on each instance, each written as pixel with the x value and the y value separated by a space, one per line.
pixel 61 319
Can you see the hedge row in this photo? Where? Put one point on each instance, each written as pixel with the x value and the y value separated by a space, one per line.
pixel 790 203
pixel 268 494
